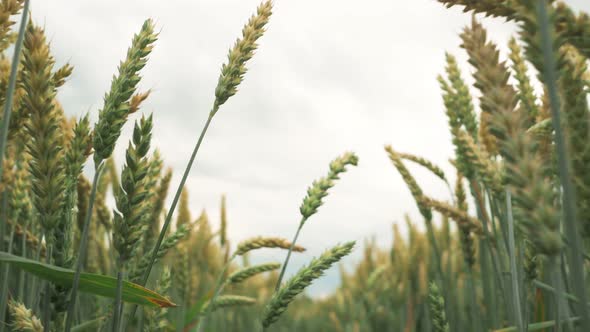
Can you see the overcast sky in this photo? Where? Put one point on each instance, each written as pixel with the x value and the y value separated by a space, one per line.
pixel 329 76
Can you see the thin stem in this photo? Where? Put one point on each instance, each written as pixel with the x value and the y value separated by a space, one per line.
pixel 448 295
pixel 174 202
pixel 3 223
pixel 284 267
pixel 438 264
pixel 82 249
pixel 496 261
pixel 141 320
pixel 564 287
pixel 513 270
pixel 487 283
pixel 436 251
pixel 46 296
pixel 451 192
pixel 172 208
pixel 3 215
pixel 541 285
pixel 502 224
pixel 12 83
pixel 181 312
pixel 537 326
pixel 4 292
pixel 477 193
pixel 22 275
pixel 118 302
pixel 33 298
pixel 86 326
pixel 569 195
pixel 558 291
pixel 219 284
pixel 475 319
pixel 523 287
pixel 4 131
pixel 493 222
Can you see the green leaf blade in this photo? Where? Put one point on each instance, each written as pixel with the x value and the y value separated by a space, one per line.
pixel 89 283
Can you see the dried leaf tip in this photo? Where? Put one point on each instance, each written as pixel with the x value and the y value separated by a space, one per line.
pixel 137 99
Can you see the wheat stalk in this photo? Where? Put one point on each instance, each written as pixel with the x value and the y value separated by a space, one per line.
pixel 231 76
pixel 107 130
pixel 313 200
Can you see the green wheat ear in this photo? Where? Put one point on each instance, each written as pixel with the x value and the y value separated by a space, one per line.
pixel 46 166
pixel 80 148
pixel 410 182
pixel 319 188
pixel 251 271
pixel 129 218
pixel 436 170
pixel 437 309
pixel 313 199
pixel 459 107
pixel 526 93
pixel 232 72
pixel 294 286
pixel 117 102
pixel 224 301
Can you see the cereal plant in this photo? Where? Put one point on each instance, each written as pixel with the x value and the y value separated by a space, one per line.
pixel 69 260
pixel 504 252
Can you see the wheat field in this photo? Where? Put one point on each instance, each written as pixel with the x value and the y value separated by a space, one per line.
pixel 91 243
